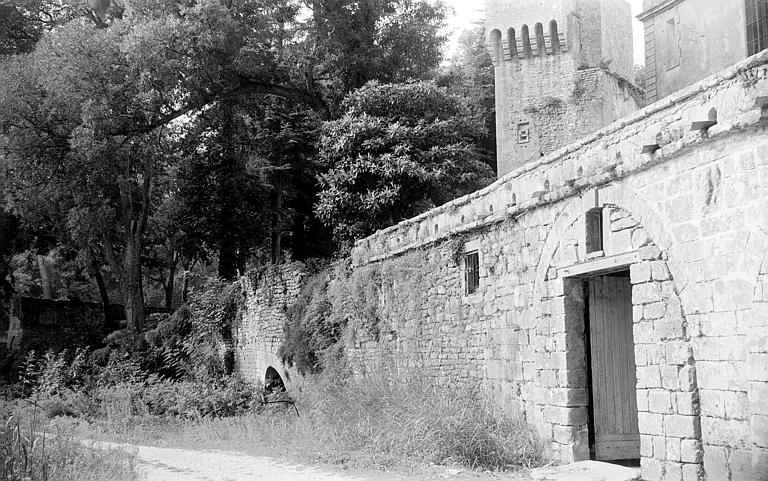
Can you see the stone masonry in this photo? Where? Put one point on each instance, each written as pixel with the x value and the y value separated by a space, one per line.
pixel 688 218
pixel 258 336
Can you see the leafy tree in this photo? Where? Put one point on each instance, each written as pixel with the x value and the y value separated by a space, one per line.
pixel 399 150
pixel 469 75
pixel 356 41
pixel 84 116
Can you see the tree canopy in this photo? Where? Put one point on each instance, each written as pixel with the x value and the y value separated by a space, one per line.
pixel 148 135
pixel 399 150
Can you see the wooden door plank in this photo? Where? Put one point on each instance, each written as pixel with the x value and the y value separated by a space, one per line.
pixel 614 403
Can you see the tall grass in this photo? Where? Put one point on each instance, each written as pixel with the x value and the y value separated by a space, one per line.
pixel 31 452
pixel 382 419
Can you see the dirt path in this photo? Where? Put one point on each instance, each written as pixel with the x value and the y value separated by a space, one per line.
pixel 174 464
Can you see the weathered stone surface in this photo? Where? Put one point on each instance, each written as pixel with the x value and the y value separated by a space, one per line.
pixel 700 319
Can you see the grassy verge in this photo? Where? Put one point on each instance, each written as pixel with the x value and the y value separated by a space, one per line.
pixel 380 420
pixel 32 450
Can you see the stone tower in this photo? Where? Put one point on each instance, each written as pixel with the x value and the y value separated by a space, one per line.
pixel 563 70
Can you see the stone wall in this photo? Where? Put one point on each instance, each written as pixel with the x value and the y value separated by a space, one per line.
pixel 686 220
pixel 682 209
pixel 259 334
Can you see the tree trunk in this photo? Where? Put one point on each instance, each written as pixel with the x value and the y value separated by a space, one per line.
pixel 103 294
pixel 169 284
pixel 185 287
pixel 133 293
pixel 277 206
pixel 45 279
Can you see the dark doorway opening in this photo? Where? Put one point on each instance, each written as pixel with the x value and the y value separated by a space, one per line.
pixel 273 382
pixel 611 373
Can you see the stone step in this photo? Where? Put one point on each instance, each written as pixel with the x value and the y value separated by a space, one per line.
pixel 586 471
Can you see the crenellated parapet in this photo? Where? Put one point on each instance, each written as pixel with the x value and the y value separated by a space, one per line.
pixel 524 42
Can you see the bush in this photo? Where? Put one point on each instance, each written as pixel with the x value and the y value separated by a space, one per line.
pixel 310 329
pixel 394 414
pixel 31 453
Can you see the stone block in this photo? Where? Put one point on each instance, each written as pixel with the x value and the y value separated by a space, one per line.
pixel 659 447
pixel 651 469
pixel 670 377
pixel 724 432
pixel 655 310
pixel 648 377
pixel 649 252
pixel 690 451
pixel 659 401
pixel 646 445
pixel 716 462
pixel 565 415
pixel 680 426
pixel 760 462
pixel 757 368
pixel 646 293
pixel 686 403
pixel 672 449
pixel 758 397
pixel 678 352
pixel 650 423
pixel 740 465
pixel 759 430
pixel 672 471
pixel 725 376
pixel 693 472
pixel 563 434
pixel 732 294
pixel 659 271
pixel 729 348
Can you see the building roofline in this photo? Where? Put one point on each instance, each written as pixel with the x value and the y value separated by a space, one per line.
pixel 655 10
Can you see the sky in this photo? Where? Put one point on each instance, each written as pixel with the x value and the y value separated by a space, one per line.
pixel 469 12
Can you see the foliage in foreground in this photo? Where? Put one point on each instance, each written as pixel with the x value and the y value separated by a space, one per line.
pixel 30 452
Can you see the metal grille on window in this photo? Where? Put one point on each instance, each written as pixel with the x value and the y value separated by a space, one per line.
pixel 757 25
pixel 472 263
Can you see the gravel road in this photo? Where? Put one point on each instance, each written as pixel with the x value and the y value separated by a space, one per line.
pixel 173 464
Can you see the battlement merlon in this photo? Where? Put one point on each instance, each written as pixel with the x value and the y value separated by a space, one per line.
pixel 597 32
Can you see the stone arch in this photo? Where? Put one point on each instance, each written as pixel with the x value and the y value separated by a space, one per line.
pixel 667 383
pixel 273 381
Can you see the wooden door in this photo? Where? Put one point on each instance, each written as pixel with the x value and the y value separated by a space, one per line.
pixel 614 402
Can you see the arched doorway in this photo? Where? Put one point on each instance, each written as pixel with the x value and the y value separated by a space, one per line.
pixel 272 381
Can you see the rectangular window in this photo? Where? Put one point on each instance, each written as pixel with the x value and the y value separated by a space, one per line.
pixel 472 271
pixel 523 133
pixel 757 25
pixel 672 43
pixel 594 230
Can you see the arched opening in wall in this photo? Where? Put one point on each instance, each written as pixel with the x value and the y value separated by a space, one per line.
pixel 496 44
pixel 272 381
pixel 554 36
pixel 512 43
pixel 541 43
pixel 526 41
